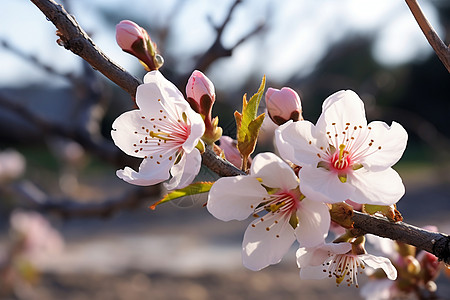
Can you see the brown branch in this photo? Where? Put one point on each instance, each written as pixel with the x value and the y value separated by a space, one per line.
pixel 436 243
pixel 217 49
pixel 442 51
pixel 73 38
pixel 433 242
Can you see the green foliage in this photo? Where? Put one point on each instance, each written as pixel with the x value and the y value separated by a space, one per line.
pixel 248 123
pixel 192 189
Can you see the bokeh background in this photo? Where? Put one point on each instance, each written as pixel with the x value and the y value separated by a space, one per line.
pixel 95 237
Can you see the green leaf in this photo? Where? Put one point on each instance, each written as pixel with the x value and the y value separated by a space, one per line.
pixel 248 122
pixel 192 189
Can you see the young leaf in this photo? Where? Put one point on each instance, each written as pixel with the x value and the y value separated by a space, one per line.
pixel 192 189
pixel 248 123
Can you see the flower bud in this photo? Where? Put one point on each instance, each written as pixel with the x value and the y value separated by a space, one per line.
pixel 229 148
pixel 283 105
pixel 135 40
pixel 127 33
pixel 200 92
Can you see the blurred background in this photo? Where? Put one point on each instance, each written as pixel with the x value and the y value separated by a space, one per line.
pixel 69 228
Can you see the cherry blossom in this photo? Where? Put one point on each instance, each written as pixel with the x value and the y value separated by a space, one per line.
pixel 328 260
pixel 164 131
pixel 342 157
pixel 271 195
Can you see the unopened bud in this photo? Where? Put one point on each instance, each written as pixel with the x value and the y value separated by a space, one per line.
pixel 135 40
pixel 283 105
pixel 127 33
pixel 229 148
pixel 200 92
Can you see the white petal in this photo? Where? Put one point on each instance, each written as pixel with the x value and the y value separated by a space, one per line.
pixel 321 185
pixel 149 172
pixel 273 171
pixel 235 198
pixel 380 262
pixel 379 289
pixel 123 133
pixel 316 256
pixel 314 223
pixel 385 245
pixel 197 129
pixel 378 188
pixel 164 87
pixel 392 142
pixel 262 247
pixel 341 108
pixel 293 139
pixel 184 172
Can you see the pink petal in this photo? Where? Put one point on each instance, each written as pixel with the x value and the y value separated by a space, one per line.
pixel 158 86
pixel 235 198
pixel 262 247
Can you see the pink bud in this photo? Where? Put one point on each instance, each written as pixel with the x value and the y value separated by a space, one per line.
pixel 283 105
pixel 127 33
pixel 197 87
pixel 229 147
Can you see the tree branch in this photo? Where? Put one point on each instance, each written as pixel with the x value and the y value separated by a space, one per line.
pixel 73 38
pixel 436 243
pixel 442 51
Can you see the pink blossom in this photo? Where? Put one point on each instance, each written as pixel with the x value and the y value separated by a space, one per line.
pixel 127 33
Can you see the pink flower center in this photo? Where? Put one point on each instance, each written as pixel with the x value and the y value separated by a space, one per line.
pixel 279 206
pixel 162 136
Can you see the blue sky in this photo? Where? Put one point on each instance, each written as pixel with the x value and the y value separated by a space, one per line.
pixel 299 32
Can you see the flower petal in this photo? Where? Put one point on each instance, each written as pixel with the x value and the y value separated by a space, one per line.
pixel 197 128
pixel 318 184
pixel 339 109
pixel 378 188
pixel 150 172
pixel 161 87
pixel 262 247
pixel 314 223
pixel 123 133
pixel 299 143
pixel 235 198
pixel 273 171
pixel 380 262
pixel 316 256
pixel 184 172
pixel 391 142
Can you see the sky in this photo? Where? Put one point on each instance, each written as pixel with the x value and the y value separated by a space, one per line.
pixel 298 34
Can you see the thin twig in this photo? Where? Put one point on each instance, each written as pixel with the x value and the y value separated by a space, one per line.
pixel 75 39
pixel 217 49
pixel 442 51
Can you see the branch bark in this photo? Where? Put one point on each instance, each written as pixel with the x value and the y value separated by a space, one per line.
pixel 79 43
pixel 442 51
pixel 75 39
